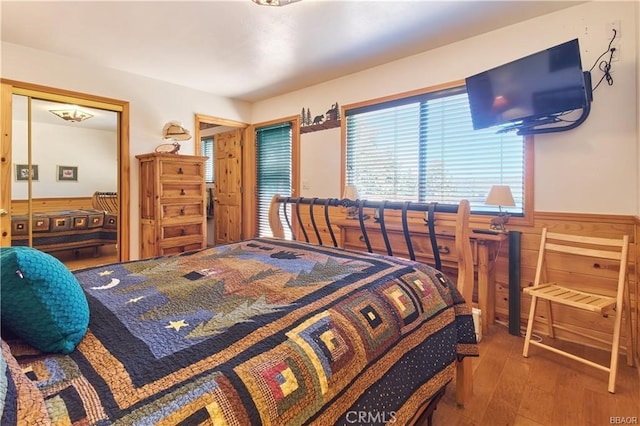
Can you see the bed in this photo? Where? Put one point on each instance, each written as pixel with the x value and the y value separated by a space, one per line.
pixel 264 331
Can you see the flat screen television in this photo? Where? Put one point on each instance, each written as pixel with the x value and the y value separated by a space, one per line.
pixel 532 90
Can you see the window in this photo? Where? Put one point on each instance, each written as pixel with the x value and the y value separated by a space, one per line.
pixel 423 148
pixel 207 151
pixel 274 171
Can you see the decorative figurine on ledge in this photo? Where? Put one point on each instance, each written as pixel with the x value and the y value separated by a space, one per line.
pixel 168 148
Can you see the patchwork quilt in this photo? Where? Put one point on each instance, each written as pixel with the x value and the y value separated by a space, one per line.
pixel 263 331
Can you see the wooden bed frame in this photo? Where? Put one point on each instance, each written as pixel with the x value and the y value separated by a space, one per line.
pixel 461 212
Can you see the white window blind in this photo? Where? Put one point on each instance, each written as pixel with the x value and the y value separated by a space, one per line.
pixel 274 169
pixel 424 148
pixel 207 151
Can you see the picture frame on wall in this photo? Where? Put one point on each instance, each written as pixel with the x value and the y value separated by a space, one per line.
pixel 67 173
pixel 22 172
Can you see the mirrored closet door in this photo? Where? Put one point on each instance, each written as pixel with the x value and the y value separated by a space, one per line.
pixel 65 177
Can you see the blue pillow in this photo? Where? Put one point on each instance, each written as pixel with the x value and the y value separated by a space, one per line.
pixel 41 300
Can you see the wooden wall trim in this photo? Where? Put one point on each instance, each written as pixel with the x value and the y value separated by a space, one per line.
pixel 40 205
pixel 588 217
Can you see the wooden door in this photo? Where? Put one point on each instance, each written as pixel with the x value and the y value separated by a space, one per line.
pixel 228 187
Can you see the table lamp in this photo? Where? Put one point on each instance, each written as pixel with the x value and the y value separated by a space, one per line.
pixel 500 195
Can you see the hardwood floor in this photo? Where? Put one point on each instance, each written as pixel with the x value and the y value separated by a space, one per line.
pixel 85 258
pixel 544 389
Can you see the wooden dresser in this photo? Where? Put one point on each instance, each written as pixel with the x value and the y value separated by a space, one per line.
pixel 172 204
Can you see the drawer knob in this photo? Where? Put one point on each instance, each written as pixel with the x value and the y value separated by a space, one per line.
pixel 182 231
pixel 180 172
pixel 444 250
pixel 182 192
pixel 182 211
pixel 361 238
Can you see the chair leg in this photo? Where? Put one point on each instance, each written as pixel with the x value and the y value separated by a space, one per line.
pixel 527 337
pixel 613 367
pixel 630 341
pixel 550 320
pixel 626 306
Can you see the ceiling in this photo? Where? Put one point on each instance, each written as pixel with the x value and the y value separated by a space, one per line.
pixel 237 49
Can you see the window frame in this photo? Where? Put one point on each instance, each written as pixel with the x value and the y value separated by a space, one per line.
pixel 527 217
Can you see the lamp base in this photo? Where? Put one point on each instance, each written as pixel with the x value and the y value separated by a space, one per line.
pixel 497 223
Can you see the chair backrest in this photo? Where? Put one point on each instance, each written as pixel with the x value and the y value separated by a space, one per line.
pixel 577 257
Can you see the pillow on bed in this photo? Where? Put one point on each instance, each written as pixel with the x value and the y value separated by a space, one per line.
pixel 41 300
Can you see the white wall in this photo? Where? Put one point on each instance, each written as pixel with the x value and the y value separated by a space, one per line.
pixel 152 103
pixel 94 152
pixel 636 35
pixel 591 169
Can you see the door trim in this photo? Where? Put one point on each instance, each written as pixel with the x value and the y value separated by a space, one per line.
pixel 248 187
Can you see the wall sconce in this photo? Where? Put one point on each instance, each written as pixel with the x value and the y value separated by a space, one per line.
pixel 500 195
pixel 72 115
pixel 173 130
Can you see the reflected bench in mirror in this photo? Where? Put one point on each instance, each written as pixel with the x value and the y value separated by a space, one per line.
pixel 66 230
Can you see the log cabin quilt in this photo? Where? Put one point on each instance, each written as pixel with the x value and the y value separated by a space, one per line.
pixel 263 331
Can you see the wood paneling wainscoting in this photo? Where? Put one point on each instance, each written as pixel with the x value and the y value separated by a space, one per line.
pixel 51 204
pixel 601 225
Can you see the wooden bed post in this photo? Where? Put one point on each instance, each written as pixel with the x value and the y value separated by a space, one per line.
pixel 274 218
pixel 464 376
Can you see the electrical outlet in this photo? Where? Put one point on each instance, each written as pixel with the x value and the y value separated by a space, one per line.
pixel 614 25
pixel 616 53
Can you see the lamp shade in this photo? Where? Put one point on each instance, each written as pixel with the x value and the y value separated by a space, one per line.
pixel 350 192
pixel 500 195
pixel 174 130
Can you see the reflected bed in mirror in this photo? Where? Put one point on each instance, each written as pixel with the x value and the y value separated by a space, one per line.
pixel 76 159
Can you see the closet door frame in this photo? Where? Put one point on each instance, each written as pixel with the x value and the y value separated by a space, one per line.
pixel 8 88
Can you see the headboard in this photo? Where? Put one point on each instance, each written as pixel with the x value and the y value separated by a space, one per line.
pixel 106 201
pixel 461 233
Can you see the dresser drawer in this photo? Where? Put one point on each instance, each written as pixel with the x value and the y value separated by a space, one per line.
pixel 180 169
pixel 180 248
pixel 181 190
pixel 182 211
pixel 181 230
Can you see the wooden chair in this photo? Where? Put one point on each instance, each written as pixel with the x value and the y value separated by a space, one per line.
pixel 608 260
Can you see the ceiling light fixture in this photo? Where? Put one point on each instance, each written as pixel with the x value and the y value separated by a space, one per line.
pixel 73 115
pixel 274 2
